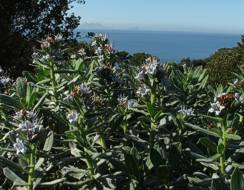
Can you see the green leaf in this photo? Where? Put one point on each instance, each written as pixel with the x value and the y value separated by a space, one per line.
pixel 28 94
pixel 39 163
pixel 10 101
pixel 202 74
pixel 77 63
pixel 218 184
pixel 54 182
pixel 209 159
pixel 73 80
pixel 49 142
pixel 40 101
pixel 42 82
pixel 156 158
pixel 204 82
pixel 221 148
pixel 139 111
pixel 211 165
pixel 150 109
pixel 21 87
pixel 14 177
pixel 237 181
pixel 89 73
pixel 205 131
pixel 101 142
pixel 217 119
pixel 210 145
pixel 37 182
pixel 68 71
pixel 47 147
pixel 7 162
pixel 131 164
pixel 75 152
pixel 240 166
pixel 233 137
pixel 159 115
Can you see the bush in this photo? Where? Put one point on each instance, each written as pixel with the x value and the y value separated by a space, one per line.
pixel 84 122
pixel 222 65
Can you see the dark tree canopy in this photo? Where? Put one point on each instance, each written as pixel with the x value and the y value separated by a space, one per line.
pixel 24 22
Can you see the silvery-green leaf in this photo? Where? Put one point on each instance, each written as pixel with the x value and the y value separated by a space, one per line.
pixel 49 142
pixel 14 177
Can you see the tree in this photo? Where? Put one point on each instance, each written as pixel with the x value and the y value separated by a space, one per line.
pixel 240 49
pixel 23 23
pixel 222 64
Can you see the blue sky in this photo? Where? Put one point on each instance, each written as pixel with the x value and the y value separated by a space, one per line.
pixel 219 16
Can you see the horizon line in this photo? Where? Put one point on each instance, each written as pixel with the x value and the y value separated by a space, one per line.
pixel 158 30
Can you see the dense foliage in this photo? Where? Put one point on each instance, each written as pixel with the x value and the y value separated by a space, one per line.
pixel 222 64
pixel 96 121
pixel 23 23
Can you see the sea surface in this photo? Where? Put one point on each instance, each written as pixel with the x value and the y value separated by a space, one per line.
pixel 169 46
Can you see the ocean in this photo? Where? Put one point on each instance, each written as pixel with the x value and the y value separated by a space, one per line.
pixel 169 46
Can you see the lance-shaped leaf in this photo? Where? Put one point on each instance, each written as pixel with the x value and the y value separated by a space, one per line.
pixel 202 130
pixel 7 162
pixel 233 137
pixel 17 181
pixel 9 101
pixel 209 159
pixel 21 87
pixel 49 142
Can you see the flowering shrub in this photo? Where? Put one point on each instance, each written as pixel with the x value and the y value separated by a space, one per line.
pixel 84 121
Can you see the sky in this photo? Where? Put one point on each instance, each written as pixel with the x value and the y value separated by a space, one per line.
pixel 210 16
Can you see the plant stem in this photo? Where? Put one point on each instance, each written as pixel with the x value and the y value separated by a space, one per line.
pixel 222 165
pixel 222 154
pixel 53 79
pixel 222 157
pixel 151 139
pixel 153 104
pixel 153 122
pixel 153 96
pixel 125 127
pixel 31 168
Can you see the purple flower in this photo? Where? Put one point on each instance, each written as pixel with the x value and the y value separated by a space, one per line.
pixel 85 89
pixel 151 68
pixel 72 117
pixel 132 103
pixel 122 100
pixel 31 129
pixel 142 91
pixel 185 111
pixel 4 80
pixel 141 75
pixel 19 146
